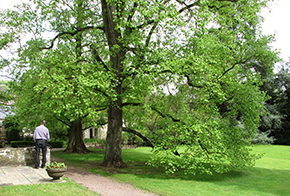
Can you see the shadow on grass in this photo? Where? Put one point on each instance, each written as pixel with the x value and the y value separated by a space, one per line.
pixel 92 161
pixel 256 179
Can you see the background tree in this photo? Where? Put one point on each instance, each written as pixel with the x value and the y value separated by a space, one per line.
pixel 127 55
pixel 276 122
pixel 12 129
pixel 52 85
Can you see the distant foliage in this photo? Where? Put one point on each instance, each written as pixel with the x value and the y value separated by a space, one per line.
pixel 12 129
pixel 263 138
pixel 275 123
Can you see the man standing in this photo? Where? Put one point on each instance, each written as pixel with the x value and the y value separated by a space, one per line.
pixel 41 137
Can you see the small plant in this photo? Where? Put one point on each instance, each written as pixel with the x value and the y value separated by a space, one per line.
pixel 55 165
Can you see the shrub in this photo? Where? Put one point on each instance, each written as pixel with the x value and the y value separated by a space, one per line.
pixel 96 142
pixel 56 144
pixel 16 144
pixel 262 138
pixel 12 129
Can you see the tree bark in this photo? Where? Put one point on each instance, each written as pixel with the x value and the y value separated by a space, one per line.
pixel 76 142
pixel 113 156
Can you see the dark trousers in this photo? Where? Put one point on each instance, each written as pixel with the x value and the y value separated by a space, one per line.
pixel 40 144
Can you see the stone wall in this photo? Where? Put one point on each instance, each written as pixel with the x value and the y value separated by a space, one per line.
pixel 20 156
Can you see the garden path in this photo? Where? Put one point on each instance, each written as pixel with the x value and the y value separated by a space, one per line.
pixel 101 185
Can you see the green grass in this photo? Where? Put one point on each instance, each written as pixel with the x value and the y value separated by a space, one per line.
pixel 270 176
pixel 68 188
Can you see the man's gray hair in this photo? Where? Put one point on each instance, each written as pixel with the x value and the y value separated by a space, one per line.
pixel 43 122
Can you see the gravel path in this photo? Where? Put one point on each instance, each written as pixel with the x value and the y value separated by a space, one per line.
pixel 102 185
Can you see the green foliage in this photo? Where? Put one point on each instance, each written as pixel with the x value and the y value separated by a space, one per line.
pixel 276 122
pixel 55 165
pixel 16 144
pixel 178 75
pixel 58 134
pixel 131 139
pixel 56 144
pixel 12 129
pixel 262 138
pixel 91 141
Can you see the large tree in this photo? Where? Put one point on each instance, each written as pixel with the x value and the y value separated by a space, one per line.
pixel 177 73
pixel 276 122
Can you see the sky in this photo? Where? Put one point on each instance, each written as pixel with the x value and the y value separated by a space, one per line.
pixel 275 23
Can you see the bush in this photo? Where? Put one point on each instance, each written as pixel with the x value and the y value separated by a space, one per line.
pixel 97 142
pixel 12 129
pixel 16 144
pixel 262 138
pixel 90 140
pixel 56 144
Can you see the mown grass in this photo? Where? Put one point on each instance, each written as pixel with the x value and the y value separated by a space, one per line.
pixel 270 176
pixel 68 188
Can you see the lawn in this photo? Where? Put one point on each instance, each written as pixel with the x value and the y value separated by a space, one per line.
pixel 270 176
pixel 68 188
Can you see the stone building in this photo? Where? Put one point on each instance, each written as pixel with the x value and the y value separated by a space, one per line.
pixel 96 133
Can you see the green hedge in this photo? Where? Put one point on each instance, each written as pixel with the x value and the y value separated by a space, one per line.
pixel 16 144
pixel 56 144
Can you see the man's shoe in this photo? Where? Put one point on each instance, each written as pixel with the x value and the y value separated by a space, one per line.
pixel 36 167
pixel 42 167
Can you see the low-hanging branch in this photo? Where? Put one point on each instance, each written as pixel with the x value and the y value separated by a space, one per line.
pixel 148 142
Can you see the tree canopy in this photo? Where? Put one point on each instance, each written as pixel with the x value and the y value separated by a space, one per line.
pixel 179 73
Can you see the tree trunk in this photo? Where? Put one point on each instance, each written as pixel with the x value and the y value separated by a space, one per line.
pixel 76 142
pixel 113 156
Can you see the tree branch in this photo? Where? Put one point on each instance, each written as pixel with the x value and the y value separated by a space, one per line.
pixel 150 33
pixel 99 90
pixel 190 83
pixel 233 66
pixel 187 7
pixel 145 139
pixel 97 57
pixel 165 115
pixel 155 109
pixel 70 33
pixel 62 121
pixel 129 19
pixel 132 104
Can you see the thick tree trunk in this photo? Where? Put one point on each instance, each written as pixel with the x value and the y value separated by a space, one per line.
pixel 76 142
pixel 113 156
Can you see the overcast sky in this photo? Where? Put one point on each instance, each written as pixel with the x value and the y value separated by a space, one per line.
pixel 275 23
